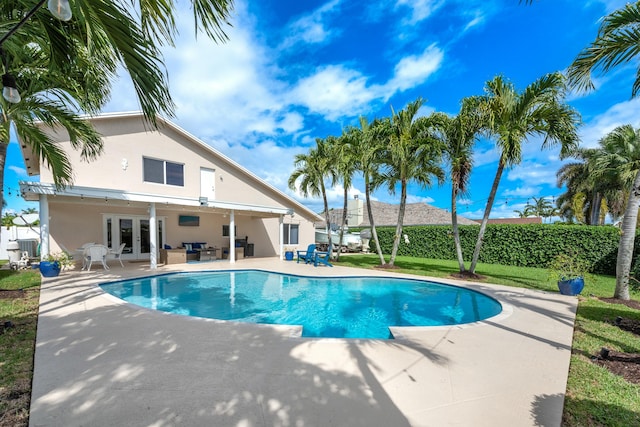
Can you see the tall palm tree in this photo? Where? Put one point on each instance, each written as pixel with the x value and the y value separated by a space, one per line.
pixel 616 43
pixel 514 117
pixel 51 97
pixel 312 169
pixel 118 33
pixel 370 143
pixel 458 135
pixel 345 165
pixel 621 154
pixel 412 154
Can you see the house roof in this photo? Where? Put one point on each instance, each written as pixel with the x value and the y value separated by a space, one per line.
pixel 386 214
pixel 33 167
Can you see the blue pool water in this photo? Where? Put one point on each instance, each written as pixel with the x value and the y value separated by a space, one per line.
pixel 340 307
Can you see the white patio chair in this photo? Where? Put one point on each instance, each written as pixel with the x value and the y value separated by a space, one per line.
pixel 117 254
pixel 96 253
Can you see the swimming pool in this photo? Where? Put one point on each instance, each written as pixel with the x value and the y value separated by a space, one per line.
pixel 339 307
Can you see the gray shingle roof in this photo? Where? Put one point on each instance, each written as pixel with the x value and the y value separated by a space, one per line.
pixel 385 214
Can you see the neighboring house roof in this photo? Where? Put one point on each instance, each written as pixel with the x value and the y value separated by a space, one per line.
pixel 386 214
pixel 34 188
pixel 527 220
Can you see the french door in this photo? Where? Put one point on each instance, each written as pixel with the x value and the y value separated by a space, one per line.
pixel 133 231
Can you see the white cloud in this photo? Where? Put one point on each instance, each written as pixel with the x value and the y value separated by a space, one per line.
pixel 522 191
pixel 534 173
pixel 420 9
pixel 19 171
pixel 419 199
pixel 415 69
pixel 311 29
pixel 335 91
pixel 627 112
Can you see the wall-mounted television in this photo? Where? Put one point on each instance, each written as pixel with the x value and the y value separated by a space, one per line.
pixel 189 220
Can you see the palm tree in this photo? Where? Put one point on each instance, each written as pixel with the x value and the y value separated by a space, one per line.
pixel 312 169
pixel 118 34
pixel 51 98
pixel 616 43
pixel 458 135
pixel 345 167
pixel 370 143
pixel 513 117
pixel 621 154
pixel 412 154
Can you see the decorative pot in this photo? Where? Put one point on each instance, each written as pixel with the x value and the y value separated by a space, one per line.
pixel 49 269
pixel 571 286
pixel 288 255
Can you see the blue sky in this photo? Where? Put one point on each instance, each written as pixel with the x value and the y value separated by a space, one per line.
pixel 293 71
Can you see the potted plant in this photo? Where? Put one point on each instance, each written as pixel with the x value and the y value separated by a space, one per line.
pixel 51 265
pixel 288 252
pixel 569 270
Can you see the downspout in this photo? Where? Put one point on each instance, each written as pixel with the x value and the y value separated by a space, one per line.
pixel 232 237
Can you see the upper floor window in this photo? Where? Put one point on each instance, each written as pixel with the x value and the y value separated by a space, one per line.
pixel 163 172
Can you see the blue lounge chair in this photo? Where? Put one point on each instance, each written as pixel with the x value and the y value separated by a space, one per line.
pixel 323 257
pixel 306 256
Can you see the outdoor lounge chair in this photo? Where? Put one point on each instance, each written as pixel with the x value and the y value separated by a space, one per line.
pixel 95 253
pixel 307 256
pixel 323 257
pixel 117 254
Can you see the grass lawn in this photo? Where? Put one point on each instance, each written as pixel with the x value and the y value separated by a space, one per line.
pixel 595 397
pixel 19 297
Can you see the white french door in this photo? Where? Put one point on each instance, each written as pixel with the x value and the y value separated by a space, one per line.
pixel 133 231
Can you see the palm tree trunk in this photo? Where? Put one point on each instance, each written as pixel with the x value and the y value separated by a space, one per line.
pixel 485 218
pixel 344 221
pixel 454 225
pixel 627 240
pixel 396 238
pixel 326 214
pixel 596 201
pixel 3 159
pixel 374 233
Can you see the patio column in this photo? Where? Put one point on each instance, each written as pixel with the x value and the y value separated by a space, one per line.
pixel 153 237
pixel 44 226
pixel 232 237
pixel 281 237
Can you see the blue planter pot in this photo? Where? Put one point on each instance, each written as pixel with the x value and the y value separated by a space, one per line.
pixel 288 255
pixel 49 269
pixel 571 286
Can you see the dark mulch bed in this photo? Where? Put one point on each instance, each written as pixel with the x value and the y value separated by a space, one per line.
pixel 627 365
pixel 11 293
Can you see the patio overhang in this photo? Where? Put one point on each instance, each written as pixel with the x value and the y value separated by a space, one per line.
pixel 31 191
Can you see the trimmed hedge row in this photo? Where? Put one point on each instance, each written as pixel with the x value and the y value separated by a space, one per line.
pixel 526 245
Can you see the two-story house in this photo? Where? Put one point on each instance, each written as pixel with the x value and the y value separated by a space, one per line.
pixel 152 189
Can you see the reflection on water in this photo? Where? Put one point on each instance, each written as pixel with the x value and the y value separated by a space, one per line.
pixel 354 307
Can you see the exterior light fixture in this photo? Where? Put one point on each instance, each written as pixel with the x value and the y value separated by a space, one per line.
pixel 9 89
pixel 60 9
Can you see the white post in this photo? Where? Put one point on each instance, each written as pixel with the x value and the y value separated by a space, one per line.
pixel 232 237
pixel 44 226
pixel 281 237
pixel 153 237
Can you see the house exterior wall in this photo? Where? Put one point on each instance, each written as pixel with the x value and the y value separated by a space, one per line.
pixel 78 220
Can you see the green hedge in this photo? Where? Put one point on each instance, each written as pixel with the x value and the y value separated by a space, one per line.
pixel 530 245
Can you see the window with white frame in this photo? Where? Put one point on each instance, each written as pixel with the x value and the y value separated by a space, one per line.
pixel 291 234
pixel 163 172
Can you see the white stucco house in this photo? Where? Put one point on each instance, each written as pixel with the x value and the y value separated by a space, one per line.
pixel 154 189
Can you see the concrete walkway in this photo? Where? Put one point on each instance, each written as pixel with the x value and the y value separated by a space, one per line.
pixel 102 362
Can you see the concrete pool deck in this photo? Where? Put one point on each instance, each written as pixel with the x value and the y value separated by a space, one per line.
pixel 103 362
